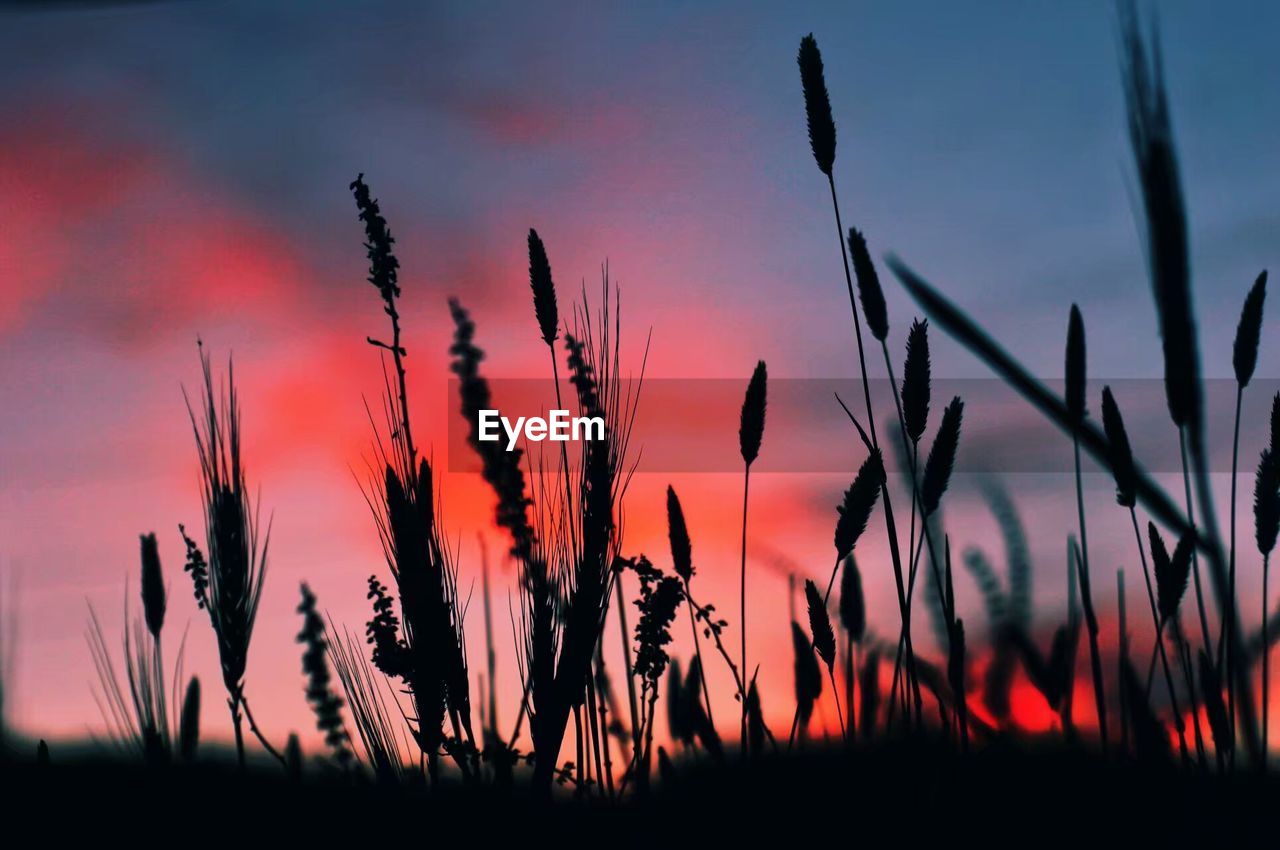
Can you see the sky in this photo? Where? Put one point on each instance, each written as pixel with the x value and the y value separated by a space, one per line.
pixel 175 171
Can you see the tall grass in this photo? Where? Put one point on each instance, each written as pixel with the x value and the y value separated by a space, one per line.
pixel 137 713
pixel 424 647
pixel 567 565
pixel 750 434
pixel 228 585
pixel 822 140
pixel 1075 398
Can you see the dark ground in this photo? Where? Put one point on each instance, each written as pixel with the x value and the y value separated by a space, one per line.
pixel 1007 797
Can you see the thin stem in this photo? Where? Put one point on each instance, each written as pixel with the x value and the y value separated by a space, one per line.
pixel 1178 722
pixel 234 705
pixel 835 692
pixel 890 528
pixel 705 616
pixel 1225 652
pixel 742 613
pixel 697 649
pixel 1184 654
pixel 1266 660
pixel 1195 560
pixel 1086 598
pixel 253 727
pixel 626 663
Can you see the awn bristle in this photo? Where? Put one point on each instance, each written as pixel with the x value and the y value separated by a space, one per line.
pixel 229 584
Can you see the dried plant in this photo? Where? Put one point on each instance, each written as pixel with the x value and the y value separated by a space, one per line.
pixel 228 585
pixel 424 647
pixel 750 433
pixel 137 713
pixel 326 704
pixel 824 640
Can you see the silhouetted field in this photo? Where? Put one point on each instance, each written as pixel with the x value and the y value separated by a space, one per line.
pixel 1026 795
pixel 1173 746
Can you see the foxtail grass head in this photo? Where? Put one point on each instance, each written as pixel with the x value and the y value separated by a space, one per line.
pixel 1244 353
pixel 853 606
pixel 915 381
pixel 1171 571
pixel 154 598
pixel 678 532
pixel 1119 452
pixel 1266 501
pixel 817 105
pixel 544 291
pixel 808 676
pixel 942 457
pixel 1075 383
pixel 751 427
pixel 824 639
pixel 870 293
pixel 1274 439
pixel 859 500
pixel 1164 220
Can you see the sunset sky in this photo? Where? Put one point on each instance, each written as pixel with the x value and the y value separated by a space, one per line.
pixel 170 171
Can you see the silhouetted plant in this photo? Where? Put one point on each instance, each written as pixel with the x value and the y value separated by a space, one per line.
pixel 807 679
pixel 750 433
pixel 1244 359
pixel 660 597
pixel 822 138
pixel 1074 396
pixel 682 564
pixel 566 584
pixel 853 621
pixel 137 714
pixel 189 723
pixel 424 646
pixel 376 725
pixel 869 693
pixel 228 586
pixel 855 510
pixel 1266 513
pixel 326 705
pixel 824 640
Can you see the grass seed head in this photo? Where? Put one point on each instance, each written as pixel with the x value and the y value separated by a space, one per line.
pixel 817 105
